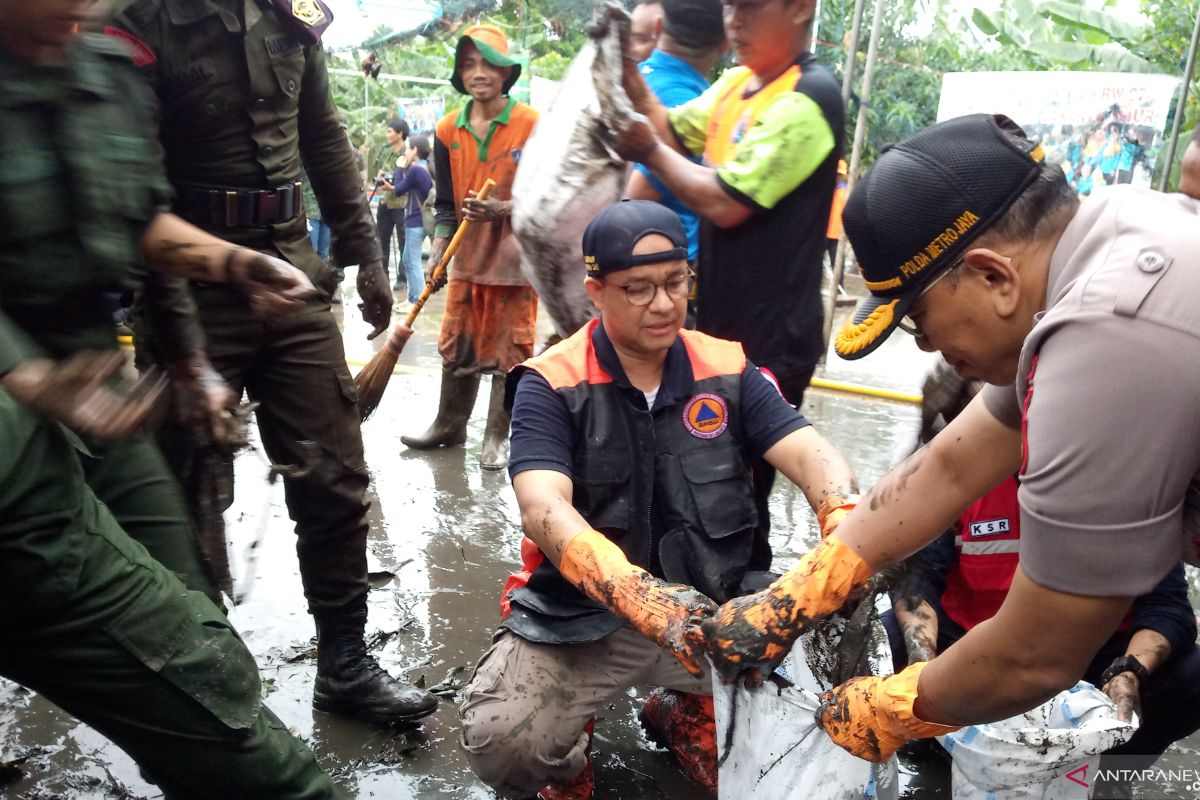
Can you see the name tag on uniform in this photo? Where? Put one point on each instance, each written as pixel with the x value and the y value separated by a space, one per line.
pixel 990 527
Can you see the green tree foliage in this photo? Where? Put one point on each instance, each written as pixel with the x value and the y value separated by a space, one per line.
pixel 922 41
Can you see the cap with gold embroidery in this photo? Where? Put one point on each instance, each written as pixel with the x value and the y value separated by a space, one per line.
pixel 918 208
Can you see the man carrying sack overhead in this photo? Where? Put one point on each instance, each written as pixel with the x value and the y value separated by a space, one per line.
pixel 1079 315
pixel 633 442
pixel 491 309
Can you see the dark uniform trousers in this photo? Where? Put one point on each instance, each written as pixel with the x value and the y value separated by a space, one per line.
pixel 295 367
pixel 90 621
pixel 240 99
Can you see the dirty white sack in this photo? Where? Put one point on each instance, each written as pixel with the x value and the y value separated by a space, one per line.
pixel 1051 752
pixel 768 744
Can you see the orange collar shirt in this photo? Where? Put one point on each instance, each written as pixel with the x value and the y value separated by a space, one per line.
pixel 489 253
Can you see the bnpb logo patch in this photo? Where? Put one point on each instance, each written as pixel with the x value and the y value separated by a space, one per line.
pixel 706 416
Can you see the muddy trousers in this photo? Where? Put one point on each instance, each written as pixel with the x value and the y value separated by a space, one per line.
pixel 158 670
pixel 295 368
pixel 525 709
pixel 132 478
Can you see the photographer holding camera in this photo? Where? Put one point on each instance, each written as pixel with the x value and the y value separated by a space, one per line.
pixel 391 208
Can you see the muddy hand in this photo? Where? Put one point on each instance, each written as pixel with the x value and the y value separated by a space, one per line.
pixel 203 398
pixel 872 717
pixel 487 210
pixel 1125 691
pixel 272 286
pixel 376 294
pixel 755 632
pixel 82 392
pixel 636 140
pixel 668 613
pixel 436 249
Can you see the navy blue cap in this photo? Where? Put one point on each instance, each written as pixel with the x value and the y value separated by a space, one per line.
pixel 609 239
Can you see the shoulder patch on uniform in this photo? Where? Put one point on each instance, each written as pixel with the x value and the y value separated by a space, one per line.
pixel 706 415
pixel 309 12
pixel 139 52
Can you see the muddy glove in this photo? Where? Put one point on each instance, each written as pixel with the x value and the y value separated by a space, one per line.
pixel 668 613
pixel 436 249
pixel 83 392
pixel 832 511
pixel 754 633
pixel 872 717
pixel 376 294
pixel 272 286
pixel 202 397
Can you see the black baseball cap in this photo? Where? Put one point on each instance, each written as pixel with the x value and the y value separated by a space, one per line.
pixel 610 236
pixel 921 205
pixel 694 23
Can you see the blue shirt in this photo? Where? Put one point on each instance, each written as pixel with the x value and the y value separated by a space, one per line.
pixel 674 82
pixel 413 184
pixel 543 436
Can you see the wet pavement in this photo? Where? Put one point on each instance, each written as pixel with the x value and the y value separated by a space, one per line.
pixel 449 533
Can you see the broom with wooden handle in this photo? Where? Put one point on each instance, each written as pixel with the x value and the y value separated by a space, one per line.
pixel 373 379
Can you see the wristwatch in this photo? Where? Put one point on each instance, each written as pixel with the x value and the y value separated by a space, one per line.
pixel 1124 664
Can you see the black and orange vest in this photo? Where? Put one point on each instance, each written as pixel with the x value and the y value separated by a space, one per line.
pixel 686 463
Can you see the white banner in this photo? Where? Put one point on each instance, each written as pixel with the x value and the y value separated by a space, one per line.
pixel 1102 127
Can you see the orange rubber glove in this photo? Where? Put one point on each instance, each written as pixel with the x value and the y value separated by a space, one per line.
pixel 668 613
pixel 755 632
pixel 872 717
pixel 832 511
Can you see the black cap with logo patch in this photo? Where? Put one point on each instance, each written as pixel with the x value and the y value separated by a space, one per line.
pixel 610 236
pixel 918 208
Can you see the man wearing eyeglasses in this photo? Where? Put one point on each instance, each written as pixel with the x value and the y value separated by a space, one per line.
pixel 632 446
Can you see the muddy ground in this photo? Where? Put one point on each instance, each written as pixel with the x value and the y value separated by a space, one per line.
pixel 449 534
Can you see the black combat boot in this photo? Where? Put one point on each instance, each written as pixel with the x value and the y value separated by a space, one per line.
pixel 494 454
pixel 449 428
pixel 351 683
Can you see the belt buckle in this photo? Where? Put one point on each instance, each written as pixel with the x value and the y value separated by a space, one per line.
pixel 267 210
pixel 231 208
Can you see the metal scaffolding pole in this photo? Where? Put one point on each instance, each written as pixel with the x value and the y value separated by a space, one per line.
pixel 850 62
pixel 860 132
pixel 1181 108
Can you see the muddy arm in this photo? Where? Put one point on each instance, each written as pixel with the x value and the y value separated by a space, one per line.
pixel 812 463
pixel 924 495
pixel 550 520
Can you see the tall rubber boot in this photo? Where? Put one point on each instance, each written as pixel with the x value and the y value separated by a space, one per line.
pixel 449 428
pixel 579 787
pixel 686 725
pixel 351 683
pixel 494 454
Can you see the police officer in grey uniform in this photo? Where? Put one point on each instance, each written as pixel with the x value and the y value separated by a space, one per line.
pixel 1079 316
pixel 243 94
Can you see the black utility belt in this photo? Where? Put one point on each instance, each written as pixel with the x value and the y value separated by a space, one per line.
pixel 228 207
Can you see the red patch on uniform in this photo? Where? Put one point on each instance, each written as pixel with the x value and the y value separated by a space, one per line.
pixel 139 52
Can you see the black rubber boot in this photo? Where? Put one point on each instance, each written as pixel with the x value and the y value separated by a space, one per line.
pixel 494 454
pixel 351 683
pixel 449 428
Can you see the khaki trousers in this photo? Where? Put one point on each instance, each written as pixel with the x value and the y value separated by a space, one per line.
pixel 524 710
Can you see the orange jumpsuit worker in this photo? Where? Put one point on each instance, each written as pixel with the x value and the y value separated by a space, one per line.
pixel 490 307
